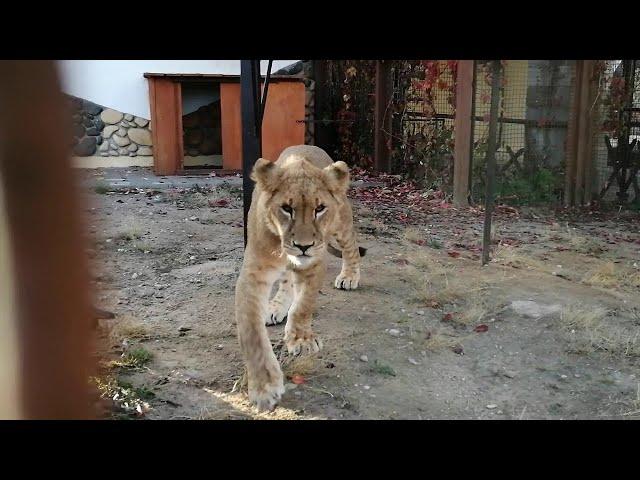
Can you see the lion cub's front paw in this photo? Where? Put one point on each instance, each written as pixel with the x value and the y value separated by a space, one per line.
pixel 302 343
pixel 347 281
pixel 277 313
pixel 266 397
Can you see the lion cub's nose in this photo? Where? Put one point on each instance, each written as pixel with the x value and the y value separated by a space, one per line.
pixel 303 248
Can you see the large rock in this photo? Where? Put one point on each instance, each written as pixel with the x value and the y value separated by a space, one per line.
pixel 93 131
pixel 122 132
pixel 132 147
pixel 530 309
pixel 91 108
pixel 207 147
pixel 145 151
pixel 108 130
pixel 128 117
pixel 99 124
pixel 141 122
pixel 191 120
pixel 85 147
pixel 141 136
pixel 104 147
pixel 193 137
pixel 78 131
pixel 121 141
pixel 123 151
pixel 111 117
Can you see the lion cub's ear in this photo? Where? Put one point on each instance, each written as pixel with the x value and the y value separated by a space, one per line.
pixel 338 177
pixel 266 174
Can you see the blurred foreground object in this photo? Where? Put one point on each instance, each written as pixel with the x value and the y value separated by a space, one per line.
pixel 51 315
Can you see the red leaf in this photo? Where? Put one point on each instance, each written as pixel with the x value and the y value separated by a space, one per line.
pixel 481 328
pixel 453 253
pixel 447 317
pixel 222 202
pixel 298 379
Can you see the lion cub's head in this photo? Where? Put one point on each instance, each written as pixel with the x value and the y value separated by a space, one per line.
pixel 301 203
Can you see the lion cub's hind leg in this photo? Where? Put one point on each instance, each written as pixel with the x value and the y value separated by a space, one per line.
pixel 279 305
pixel 349 277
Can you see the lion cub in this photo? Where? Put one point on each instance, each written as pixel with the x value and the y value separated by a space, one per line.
pixel 298 207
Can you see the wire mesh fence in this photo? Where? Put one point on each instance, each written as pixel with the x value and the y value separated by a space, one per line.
pixel 534 111
pixel 616 133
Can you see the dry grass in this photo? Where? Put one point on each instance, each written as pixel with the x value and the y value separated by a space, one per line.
pixel 127 327
pixel 439 340
pixel 129 232
pixel 475 312
pixel 605 276
pixel 414 235
pixel 588 330
pixel 513 257
pixel 610 275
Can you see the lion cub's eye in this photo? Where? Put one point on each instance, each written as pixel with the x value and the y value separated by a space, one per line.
pixel 320 209
pixel 287 209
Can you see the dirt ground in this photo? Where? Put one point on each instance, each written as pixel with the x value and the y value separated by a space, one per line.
pixel 550 329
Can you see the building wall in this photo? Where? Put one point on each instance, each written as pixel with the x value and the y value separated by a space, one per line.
pixel 120 84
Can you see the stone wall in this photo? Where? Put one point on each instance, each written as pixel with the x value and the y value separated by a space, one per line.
pixel 202 131
pixel 304 69
pixel 102 131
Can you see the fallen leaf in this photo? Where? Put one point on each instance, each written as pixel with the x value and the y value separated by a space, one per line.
pixel 481 328
pixel 298 379
pixel 221 202
pixel 453 253
pixel 447 317
pixel 458 349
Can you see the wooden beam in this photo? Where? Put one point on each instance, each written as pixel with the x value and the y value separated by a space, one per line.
pixel 572 137
pixel 583 151
pixel 47 243
pixel 463 132
pixel 382 115
pixel 166 119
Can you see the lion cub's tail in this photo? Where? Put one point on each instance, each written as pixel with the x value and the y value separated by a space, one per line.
pixel 338 253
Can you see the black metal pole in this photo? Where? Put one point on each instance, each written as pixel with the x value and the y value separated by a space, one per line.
pixel 263 103
pixel 251 128
pixel 491 161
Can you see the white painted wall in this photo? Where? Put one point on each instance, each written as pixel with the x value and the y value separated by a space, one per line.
pixel 119 84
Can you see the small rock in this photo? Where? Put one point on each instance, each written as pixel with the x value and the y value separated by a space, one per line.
pixel 145 151
pixel 134 276
pixel 509 374
pixel 413 361
pixel 109 130
pixel 366 387
pixel 420 312
pixel 121 141
pixel 394 332
pixel 364 358
pixel 128 117
pixel 140 136
pixel 491 406
pixel 141 122
pixel 219 347
pixel 110 116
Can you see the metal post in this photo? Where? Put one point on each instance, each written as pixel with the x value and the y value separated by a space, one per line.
pixel 251 128
pixel 382 115
pixel 491 161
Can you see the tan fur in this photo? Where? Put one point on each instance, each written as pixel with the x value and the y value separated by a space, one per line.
pixel 303 179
